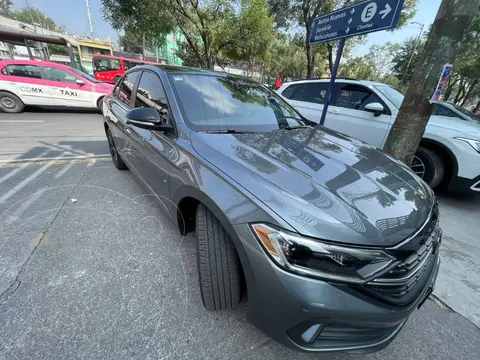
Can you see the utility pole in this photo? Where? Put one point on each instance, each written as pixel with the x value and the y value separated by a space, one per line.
pixel 414 49
pixel 453 20
pixel 87 5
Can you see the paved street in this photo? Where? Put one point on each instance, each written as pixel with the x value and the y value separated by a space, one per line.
pixel 90 268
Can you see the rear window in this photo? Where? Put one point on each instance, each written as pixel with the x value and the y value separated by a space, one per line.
pixel 219 103
pixel 28 71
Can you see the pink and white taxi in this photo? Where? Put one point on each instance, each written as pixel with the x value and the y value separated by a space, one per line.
pixel 43 83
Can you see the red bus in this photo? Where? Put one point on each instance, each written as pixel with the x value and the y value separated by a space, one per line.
pixel 109 68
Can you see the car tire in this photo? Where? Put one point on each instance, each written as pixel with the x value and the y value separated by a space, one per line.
pixel 219 269
pixel 10 103
pixel 100 104
pixel 117 160
pixel 434 168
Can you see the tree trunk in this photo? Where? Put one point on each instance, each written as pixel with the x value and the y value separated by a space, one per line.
pixel 448 93
pixel 461 91
pixel 444 40
pixel 330 57
pixel 469 92
pixel 310 63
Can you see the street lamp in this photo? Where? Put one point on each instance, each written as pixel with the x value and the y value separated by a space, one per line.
pixel 422 26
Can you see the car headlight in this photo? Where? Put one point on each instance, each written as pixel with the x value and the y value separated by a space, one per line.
pixel 323 260
pixel 473 143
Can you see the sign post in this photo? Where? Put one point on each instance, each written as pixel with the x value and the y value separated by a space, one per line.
pixel 358 19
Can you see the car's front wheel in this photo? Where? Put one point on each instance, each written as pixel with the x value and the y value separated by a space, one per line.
pixel 117 160
pixel 428 165
pixel 219 269
pixel 10 103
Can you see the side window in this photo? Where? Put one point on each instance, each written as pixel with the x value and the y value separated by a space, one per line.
pixel 354 97
pixel 28 71
pixel 289 91
pixel 443 111
pixel 106 64
pixel 124 90
pixel 59 75
pixel 310 92
pixel 150 93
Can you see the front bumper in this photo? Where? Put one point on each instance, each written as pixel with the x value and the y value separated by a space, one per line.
pixel 465 186
pixel 284 306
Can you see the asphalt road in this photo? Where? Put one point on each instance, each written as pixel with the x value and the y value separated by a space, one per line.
pixel 91 269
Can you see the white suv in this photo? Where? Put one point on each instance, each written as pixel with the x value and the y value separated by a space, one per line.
pixel 449 154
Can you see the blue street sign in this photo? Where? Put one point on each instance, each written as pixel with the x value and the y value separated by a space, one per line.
pixel 361 18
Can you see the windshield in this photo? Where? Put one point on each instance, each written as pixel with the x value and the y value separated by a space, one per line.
pixel 392 94
pixel 85 76
pixel 470 115
pixel 219 103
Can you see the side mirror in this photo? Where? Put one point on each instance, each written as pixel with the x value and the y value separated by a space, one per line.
pixel 376 108
pixel 147 118
pixel 80 82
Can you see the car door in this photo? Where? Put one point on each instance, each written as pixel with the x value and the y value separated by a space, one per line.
pixel 152 150
pixel 119 105
pixel 307 98
pixel 27 83
pixel 347 114
pixel 65 90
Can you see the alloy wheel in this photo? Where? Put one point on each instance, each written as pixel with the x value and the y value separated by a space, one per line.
pixel 7 102
pixel 418 167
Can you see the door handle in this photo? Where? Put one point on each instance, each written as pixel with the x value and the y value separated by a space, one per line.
pixel 333 111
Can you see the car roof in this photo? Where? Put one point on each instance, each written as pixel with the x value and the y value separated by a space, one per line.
pixel 172 69
pixel 350 81
pixel 32 62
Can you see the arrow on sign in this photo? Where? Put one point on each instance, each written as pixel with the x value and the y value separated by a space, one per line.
pixel 348 30
pixel 386 11
pixel 350 21
pixel 352 11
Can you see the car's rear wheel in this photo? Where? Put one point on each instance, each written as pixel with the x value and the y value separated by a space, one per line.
pixel 117 160
pixel 219 269
pixel 10 103
pixel 100 104
pixel 428 165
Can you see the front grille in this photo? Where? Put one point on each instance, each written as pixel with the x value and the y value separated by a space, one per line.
pixel 404 282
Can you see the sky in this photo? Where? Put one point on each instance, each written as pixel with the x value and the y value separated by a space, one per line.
pixel 73 15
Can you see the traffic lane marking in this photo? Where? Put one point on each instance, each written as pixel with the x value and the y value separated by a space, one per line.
pixel 90 160
pixel 21 121
pixel 40 159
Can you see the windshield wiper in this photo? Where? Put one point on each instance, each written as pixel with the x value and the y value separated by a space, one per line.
pixel 294 127
pixel 228 131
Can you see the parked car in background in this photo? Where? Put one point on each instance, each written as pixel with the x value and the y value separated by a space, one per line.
pixel 447 109
pixel 109 68
pixel 449 154
pixel 43 83
pixel 335 243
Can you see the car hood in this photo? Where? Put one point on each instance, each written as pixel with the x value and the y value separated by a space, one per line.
pixel 323 184
pixel 464 127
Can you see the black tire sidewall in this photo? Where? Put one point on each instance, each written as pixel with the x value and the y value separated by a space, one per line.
pixel 434 168
pixel 18 103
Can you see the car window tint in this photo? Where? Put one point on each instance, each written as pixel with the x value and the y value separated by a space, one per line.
pixel 59 75
pixel 310 92
pixel 354 97
pixel 125 89
pixel 443 111
pixel 131 64
pixel 28 71
pixel 289 91
pixel 150 93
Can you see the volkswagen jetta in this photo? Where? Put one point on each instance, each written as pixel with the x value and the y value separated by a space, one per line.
pixel 334 243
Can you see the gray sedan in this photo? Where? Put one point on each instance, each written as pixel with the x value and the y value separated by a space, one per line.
pixel 334 243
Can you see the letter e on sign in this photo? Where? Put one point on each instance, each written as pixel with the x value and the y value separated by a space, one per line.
pixel 369 12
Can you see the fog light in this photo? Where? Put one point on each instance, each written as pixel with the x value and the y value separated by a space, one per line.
pixel 312 333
